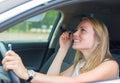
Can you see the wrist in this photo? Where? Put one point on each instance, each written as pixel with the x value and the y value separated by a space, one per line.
pixel 26 75
pixel 63 50
pixel 31 74
pixel 61 54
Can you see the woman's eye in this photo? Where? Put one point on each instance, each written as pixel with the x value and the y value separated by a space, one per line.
pixel 82 29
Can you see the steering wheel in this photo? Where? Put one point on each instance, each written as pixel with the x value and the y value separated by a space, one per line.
pixel 13 77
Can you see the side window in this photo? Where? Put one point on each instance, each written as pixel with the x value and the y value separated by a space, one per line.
pixel 36 28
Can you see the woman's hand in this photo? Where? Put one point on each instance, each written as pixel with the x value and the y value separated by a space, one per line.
pixel 65 40
pixel 12 61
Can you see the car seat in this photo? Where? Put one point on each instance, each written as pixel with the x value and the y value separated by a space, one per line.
pixel 68 61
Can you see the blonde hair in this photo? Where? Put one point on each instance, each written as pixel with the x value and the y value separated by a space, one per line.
pixel 101 51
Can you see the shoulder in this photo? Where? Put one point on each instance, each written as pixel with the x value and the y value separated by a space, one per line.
pixel 106 70
pixel 109 63
pixel 109 67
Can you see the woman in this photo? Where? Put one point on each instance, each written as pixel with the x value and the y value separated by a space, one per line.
pixel 93 61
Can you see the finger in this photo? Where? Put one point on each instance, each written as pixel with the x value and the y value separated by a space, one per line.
pixel 8 58
pixel 66 34
pixel 11 65
pixel 71 37
pixel 11 53
pixel 4 60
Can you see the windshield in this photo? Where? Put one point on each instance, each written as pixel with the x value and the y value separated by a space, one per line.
pixel 15 7
pixel 8 4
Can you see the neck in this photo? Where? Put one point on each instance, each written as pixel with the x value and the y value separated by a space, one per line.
pixel 86 53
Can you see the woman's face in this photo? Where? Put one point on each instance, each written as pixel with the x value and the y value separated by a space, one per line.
pixel 84 36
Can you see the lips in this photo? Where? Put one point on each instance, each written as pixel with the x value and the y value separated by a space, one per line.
pixel 76 42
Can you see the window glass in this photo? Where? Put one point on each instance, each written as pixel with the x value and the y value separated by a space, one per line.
pixel 10 4
pixel 36 28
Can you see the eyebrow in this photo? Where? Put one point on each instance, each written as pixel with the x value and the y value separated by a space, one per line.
pixel 81 27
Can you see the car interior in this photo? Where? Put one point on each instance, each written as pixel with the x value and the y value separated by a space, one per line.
pixel 39 55
pixel 108 12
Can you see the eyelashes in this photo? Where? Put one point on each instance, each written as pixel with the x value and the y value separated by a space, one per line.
pixel 81 29
pixel 75 30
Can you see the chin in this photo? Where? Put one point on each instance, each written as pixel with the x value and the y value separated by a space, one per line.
pixel 75 47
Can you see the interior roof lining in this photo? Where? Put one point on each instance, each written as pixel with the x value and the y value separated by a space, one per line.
pixel 99 7
pixel 82 7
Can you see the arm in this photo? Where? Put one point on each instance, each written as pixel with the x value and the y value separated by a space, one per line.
pixel 106 70
pixel 57 62
pixel 65 42
pixel 68 72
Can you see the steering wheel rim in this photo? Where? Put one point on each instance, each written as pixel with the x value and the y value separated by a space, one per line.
pixel 13 77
